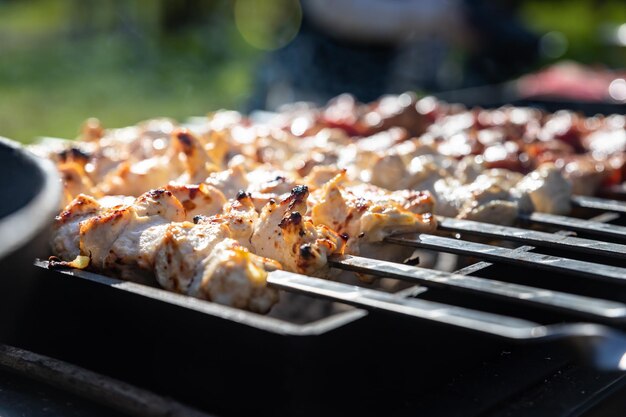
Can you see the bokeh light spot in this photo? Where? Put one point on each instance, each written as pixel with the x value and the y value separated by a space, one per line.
pixel 553 45
pixel 621 34
pixel 617 90
pixel 268 24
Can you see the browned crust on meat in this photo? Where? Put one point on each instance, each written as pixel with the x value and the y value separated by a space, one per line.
pixel 187 142
pixel 82 204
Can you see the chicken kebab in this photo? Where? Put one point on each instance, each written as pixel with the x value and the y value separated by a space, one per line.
pixel 210 208
pixel 589 151
pixel 220 221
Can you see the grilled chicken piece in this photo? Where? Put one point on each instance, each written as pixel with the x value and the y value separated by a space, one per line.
pixel 468 169
pixel 498 196
pixel 584 176
pixel 549 191
pixel 65 240
pixel 242 217
pixel 298 154
pixel 388 171
pixel 482 200
pixel 131 161
pixel 135 178
pixel 263 183
pixel 197 161
pixel 266 179
pixel 357 119
pixel 187 161
pixel 284 234
pixel 75 181
pixel 123 239
pixel 198 200
pixel 146 140
pixel 283 225
pixel 71 159
pixel 203 261
pixel 608 141
pixel 320 175
pixel 490 198
pixel 229 182
pixel 393 172
pixel 365 214
pixel 266 183
pixel 125 161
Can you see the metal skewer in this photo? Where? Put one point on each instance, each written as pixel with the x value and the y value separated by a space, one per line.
pixel 599 203
pixel 586 306
pixel 595 228
pixel 514 257
pixel 533 237
pixel 608 347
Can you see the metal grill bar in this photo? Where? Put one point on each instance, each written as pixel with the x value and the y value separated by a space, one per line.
pixel 599 203
pixel 533 237
pixel 570 223
pixel 607 347
pixel 514 257
pixel 495 324
pixel 606 217
pixel 539 297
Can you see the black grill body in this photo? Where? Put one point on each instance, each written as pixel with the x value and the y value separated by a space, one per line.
pixel 349 364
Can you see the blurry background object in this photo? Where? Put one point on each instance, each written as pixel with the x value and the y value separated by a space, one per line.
pixel 374 47
pixel 569 80
pixel 62 61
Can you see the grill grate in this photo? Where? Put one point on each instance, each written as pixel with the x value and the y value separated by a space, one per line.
pixel 609 343
pixel 594 321
pixel 604 309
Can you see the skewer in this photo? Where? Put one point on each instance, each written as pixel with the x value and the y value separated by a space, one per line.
pixel 533 237
pixel 570 223
pixel 514 257
pixel 607 347
pixel 605 217
pixel 571 303
pixel 495 324
pixel 599 203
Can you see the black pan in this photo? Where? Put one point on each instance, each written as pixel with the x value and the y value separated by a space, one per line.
pixel 30 193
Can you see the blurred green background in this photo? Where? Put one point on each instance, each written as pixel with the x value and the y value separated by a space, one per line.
pixel 62 61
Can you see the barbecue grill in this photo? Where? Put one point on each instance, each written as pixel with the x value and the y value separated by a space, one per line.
pixel 534 326
pixel 533 323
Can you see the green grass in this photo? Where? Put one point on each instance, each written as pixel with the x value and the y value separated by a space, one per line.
pixel 116 97
pixel 51 81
